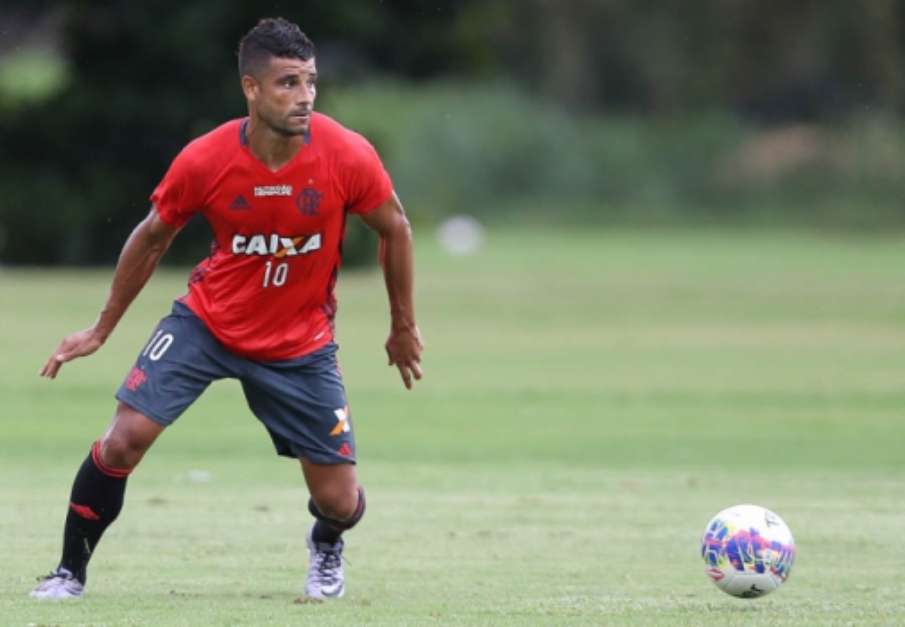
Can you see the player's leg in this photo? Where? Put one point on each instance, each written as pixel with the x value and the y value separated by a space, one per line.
pixel 97 497
pixel 174 368
pixel 303 404
pixel 100 485
pixel 337 503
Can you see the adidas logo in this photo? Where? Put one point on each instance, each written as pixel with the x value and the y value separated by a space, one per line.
pixel 240 203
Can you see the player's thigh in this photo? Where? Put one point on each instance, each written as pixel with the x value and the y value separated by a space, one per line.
pixel 177 364
pixel 304 407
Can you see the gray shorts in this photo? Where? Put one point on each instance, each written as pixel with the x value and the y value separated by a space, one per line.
pixel 302 402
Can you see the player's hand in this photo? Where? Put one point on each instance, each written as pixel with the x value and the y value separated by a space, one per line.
pixel 404 350
pixel 78 344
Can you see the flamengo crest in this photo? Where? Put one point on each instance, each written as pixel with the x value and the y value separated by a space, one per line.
pixel 308 200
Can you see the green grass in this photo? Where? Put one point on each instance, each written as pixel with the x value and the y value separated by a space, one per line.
pixel 591 399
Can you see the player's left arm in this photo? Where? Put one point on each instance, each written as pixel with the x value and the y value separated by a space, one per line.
pixel 397 258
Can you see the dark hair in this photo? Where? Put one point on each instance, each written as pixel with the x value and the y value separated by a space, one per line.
pixel 272 37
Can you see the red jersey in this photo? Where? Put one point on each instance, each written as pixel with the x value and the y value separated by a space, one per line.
pixel 266 290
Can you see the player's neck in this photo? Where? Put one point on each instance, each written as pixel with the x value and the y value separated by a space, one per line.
pixel 272 149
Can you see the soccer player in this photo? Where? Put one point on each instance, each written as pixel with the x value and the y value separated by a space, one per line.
pixel 276 188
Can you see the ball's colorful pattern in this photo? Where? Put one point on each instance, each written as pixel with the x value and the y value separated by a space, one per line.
pixel 749 541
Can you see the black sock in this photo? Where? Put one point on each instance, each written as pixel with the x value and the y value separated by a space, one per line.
pixel 95 502
pixel 324 533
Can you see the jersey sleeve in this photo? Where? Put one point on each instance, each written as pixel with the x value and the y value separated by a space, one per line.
pixel 179 195
pixel 367 183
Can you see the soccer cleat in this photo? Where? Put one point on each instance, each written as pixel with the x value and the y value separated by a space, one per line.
pixel 325 570
pixel 58 585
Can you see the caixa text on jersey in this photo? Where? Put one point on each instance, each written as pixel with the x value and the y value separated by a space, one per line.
pixel 275 244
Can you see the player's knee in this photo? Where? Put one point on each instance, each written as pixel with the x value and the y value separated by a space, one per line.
pixel 340 508
pixel 337 504
pixel 128 438
pixel 118 450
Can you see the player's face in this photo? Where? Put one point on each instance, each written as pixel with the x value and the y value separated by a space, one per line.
pixel 284 98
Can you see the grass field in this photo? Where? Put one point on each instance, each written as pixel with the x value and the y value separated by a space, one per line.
pixel 591 400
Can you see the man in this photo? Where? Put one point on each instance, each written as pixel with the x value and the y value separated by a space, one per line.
pixel 276 188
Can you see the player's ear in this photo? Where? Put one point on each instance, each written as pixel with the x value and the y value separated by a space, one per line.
pixel 250 87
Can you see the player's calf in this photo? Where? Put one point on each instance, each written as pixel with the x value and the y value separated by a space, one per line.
pixel 94 503
pixel 326 579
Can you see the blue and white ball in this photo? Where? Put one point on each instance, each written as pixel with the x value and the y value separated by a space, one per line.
pixel 748 551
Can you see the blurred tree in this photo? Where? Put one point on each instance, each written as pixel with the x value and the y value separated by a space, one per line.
pixel 147 77
pixel 775 60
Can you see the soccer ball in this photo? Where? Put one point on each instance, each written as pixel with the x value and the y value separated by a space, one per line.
pixel 748 551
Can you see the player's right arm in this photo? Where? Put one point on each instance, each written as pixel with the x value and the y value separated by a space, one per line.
pixel 137 261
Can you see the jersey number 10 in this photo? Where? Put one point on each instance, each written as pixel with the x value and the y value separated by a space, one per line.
pixel 275 276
